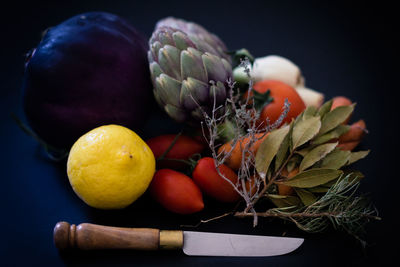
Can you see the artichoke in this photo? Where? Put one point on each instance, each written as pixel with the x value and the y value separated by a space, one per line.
pixel 189 69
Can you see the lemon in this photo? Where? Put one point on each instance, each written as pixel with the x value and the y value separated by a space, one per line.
pixel 110 167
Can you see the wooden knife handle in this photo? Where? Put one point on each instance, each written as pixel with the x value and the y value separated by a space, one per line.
pixel 88 236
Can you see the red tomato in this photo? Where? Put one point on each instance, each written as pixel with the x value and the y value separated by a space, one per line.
pixel 183 149
pixel 205 175
pixel 279 92
pixel 176 192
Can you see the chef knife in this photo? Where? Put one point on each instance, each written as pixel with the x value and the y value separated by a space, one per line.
pixel 88 236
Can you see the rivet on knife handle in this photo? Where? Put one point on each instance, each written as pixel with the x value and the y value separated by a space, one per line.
pixel 90 236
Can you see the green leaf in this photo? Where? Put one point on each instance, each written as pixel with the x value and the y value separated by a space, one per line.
pixel 293 162
pixel 312 178
pixel 336 159
pixel 331 183
pixel 335 117
pixel 350 175
pixel 306 196
pixel 305 130
pixel 227 130
pixel 333 134
pixel 284 201
pixel 319 189
pixel 268 149
pixel 298 118
pixel 309 112
pixel 269 174
pixel 240 54
pixel 325 108
pixel 305 150
pixel 282 152
pixel 355 156
pixel 316 155
pixel 292 123
pixel 354 175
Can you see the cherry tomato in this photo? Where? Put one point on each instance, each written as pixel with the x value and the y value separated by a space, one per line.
pixel 234 160
pixel 285 190
pixel 183 149
pixel 279 91
pixel 176 192
pixel 205 175
pixel 353 137
pixel 340 101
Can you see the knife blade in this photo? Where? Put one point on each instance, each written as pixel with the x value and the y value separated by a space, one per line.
pixel 234 245
pixel 88 236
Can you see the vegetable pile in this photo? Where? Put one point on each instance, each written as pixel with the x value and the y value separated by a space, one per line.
pixel 263 134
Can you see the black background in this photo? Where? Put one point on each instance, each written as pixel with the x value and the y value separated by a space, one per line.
pixel 345 48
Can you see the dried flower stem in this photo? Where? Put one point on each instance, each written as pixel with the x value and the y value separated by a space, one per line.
pixel 271 181
pixel 209 220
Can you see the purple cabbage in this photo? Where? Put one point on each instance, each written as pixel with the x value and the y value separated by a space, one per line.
pixel 90 70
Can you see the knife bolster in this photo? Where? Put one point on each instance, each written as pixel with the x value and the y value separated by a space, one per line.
pixel 171 239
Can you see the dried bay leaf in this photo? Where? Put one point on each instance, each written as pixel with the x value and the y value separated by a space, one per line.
pixel 305 196
pixel 309 112
pixel 305 130
pixel 274 196
pixel 331 183
pixel 312 178
pixel 325 108
pixel 305 150
pixel 349 174
pixel 282 152
pixel 335 117
pixel 353 175
pixel 316 155
pixel 293 162
pixel 268 149
pixel 336 159
pixel 290 134
pixel 269 174
pixel 298 118
pixel 318 189
pixel 335 133
pixel 355 156
pixel 284 201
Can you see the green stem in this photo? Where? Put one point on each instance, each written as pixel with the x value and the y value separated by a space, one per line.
pixel 176 160
pixel 191 162
pixel 170 146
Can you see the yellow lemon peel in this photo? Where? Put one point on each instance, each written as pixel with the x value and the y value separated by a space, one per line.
pixel 110 167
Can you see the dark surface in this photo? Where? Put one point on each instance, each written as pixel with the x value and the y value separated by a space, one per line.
pixel 342 49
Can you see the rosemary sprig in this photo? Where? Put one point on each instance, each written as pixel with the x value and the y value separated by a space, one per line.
pixel 339 208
